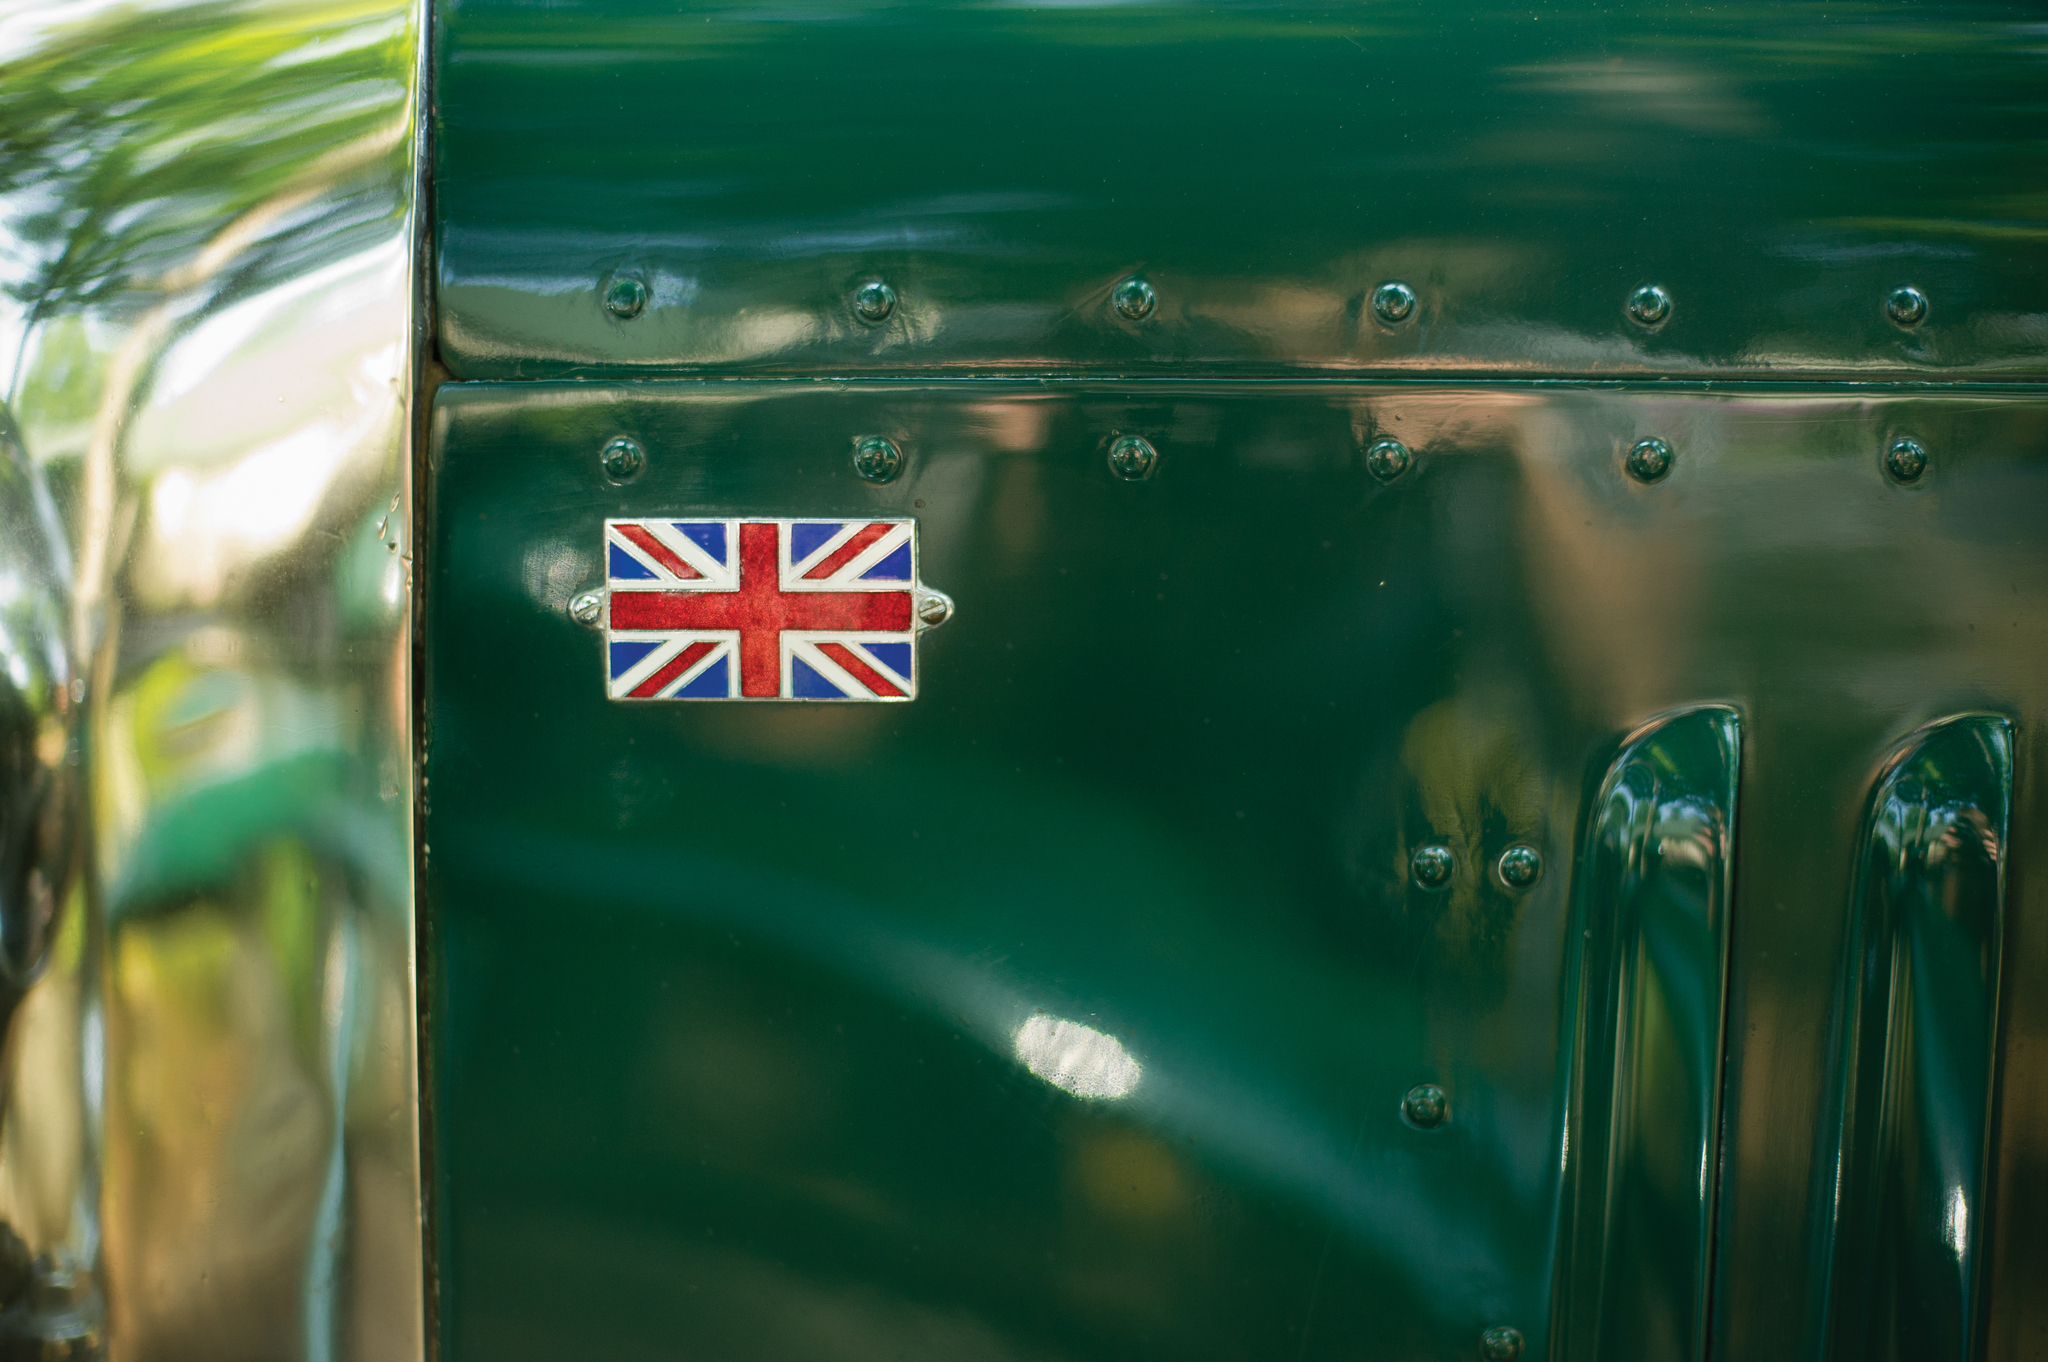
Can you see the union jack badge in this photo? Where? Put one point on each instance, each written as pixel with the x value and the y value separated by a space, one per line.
pixel 764 609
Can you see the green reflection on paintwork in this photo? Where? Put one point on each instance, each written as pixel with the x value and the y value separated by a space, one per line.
pixel 1920 1006
pixel 723 998
pixel 1657 880
pixel 729 996
pixel 1779 169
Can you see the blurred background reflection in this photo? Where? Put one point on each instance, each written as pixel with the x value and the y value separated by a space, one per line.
pixel 208 1144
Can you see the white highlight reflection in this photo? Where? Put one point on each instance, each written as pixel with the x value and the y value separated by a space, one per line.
pixel 1958 1222
pixel 1077 1058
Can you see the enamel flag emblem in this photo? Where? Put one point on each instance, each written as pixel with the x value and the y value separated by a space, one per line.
pixel 764 609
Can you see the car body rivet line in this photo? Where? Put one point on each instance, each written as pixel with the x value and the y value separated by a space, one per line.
pixel 1132 458
pixel 1432 866
pixel 1393 302
pixel 1387 459
pixel 1906 460
pixel 1649 460
pixel 1906 306
pixel 1425 1106
pixel 1649 306
pixel 1521 865
pixel 1134 299
pixel 625 297
pixel 1501 1343
pixel 874 301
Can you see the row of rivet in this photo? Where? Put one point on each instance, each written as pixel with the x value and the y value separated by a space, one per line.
pixel 1905 459
pixel 1519 866
pixel 878 459
pixel 1393 302
pixel 1426 1106
pixel 1134 458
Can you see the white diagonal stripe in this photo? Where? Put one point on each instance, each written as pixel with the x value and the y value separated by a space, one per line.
pixel 895 539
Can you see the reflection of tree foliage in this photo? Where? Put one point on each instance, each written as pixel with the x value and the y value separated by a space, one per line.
pixel 127 139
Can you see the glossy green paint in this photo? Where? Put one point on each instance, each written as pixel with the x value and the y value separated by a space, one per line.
pixel 1656 882
pixel 1779 169
pixel 1921 1011
pixel 723 1000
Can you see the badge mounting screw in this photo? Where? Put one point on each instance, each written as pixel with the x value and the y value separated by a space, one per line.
pixel 874 301
pixel 1134 299
pixel 587 607
pixel 625 297
pixel 1649 460
pixel 623 458
pixel 1425 1106
pixel 1649 306
pixel 1906 306
pixel 877 458
pixel 1393 302
pixel 1132 458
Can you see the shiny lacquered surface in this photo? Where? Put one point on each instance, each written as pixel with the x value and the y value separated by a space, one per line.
pixel 41 813
pixel 210 1137
pixel 1655 887
pixel 1920 1009
pixel 1159 983
pixel 630 187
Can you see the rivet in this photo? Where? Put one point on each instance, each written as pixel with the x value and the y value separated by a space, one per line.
pixel 1520 866
pixel 1906 460
pixel 1906 306
pixel 1393 302
pixel 1134 299
pixel 1501 1343
pixel 1132 458
pixel 625 297
pixel 1432 866
pixel 1387 459
pixel 623 458
pixel 876 458
pixel 587 607
pixel 874 301
pixel 1649 460
pixel 1425 1107
pixel 1649 305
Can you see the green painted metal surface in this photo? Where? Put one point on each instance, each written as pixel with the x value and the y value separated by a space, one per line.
pixel 738 1015
pixel 1778 169
pixel 1922 1009
pixel 1649 985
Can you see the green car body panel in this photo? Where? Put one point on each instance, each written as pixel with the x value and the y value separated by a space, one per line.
pixel 1110 1000
pixel 1478 624
pixel 732 1005
pixel 1777 170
